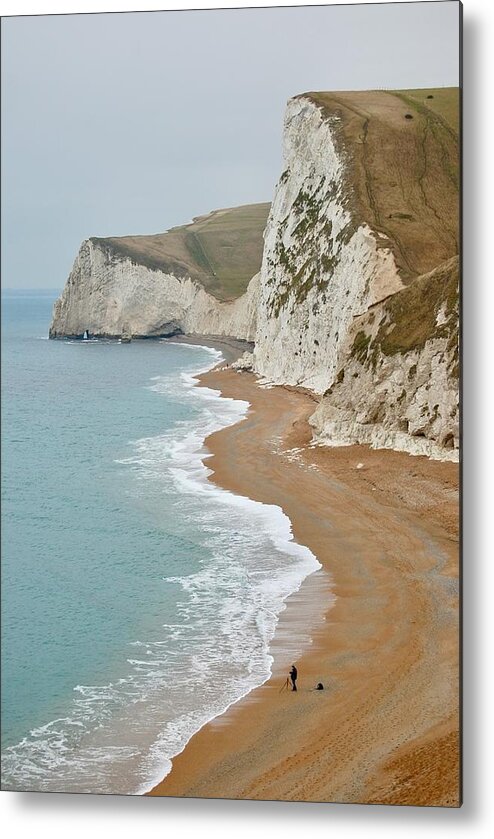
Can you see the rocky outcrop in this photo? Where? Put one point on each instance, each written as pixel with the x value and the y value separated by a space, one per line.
pixel 398 386
pixel 108 294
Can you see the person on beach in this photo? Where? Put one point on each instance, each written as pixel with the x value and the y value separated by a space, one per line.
pixel 293 677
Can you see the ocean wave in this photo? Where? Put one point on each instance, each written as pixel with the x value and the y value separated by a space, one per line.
pixel 272 564
pixel 120 737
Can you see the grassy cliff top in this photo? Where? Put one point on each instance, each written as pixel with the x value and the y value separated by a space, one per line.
pixel 402 153
pixel 222 251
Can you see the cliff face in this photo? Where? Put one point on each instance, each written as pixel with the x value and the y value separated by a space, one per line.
pixel 108 294
pixel 365 211
pixel 320 266
pixel 398 385
pixel 220 251
pixel 187 279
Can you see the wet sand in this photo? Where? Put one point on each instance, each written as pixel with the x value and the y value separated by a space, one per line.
pixel 385 526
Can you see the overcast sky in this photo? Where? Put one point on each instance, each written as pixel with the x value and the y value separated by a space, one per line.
pixel 116 124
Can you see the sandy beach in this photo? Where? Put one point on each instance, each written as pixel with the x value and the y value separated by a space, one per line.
pixel 385 526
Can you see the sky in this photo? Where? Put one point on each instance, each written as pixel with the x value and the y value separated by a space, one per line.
pixel 121 124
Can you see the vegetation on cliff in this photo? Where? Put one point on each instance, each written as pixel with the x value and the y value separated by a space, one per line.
pixel 402 154
pixel 427 309
pixel 221 251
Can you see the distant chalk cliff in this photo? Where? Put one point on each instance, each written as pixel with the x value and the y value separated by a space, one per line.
pixel 108 294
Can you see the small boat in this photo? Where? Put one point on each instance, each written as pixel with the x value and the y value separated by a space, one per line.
pixel 125 338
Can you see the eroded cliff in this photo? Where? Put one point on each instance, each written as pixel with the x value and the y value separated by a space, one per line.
pixel 357 293
pixel 368 201
pixel 192 279
pixel 108 294
pixel 398 385
pixel 367 204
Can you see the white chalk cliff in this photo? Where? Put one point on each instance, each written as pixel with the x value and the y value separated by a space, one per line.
pixel 398 385
pixel 338 304
pixel 108 294
pixel 319 268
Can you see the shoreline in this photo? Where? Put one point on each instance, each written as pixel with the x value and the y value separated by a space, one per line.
pixel 305 605
pixel 313 752
pixel 230 348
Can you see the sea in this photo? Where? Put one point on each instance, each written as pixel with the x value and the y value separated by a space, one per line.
pixel 139 600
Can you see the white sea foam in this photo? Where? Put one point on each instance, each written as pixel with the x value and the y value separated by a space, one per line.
pixel 269 590
pixel 121 736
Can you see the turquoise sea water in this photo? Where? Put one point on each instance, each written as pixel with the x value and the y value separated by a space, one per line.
pixel 138 600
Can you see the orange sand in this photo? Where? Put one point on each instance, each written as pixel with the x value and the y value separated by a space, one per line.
pixel 386 727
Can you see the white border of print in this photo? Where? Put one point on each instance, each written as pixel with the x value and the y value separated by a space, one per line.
pixel 57 816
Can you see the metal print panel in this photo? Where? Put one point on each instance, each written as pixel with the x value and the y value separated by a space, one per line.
pixel 230 416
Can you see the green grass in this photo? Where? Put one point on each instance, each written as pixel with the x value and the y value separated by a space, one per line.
pixel 409 318
pixel 232 244
pixel 413 311
pixel 222 251
pixel 445 102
